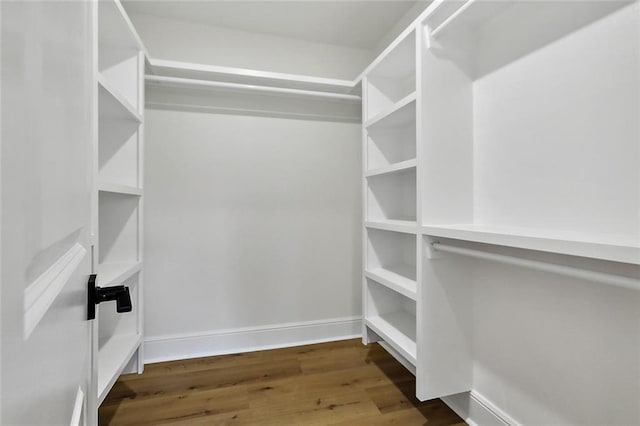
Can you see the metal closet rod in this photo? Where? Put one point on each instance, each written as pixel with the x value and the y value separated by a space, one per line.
pixel 600 277
pixel 250 87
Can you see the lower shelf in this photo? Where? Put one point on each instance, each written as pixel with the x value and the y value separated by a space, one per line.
pixel 113 356
pixel 398 329
pixel 400 278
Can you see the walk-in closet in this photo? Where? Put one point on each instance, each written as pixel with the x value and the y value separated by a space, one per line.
pixel 320 212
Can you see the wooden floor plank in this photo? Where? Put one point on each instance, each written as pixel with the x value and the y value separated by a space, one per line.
pixel 200 380
pixel 336 383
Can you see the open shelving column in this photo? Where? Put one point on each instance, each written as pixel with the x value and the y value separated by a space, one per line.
pixel 390 202
pixel 504 164
pixel 118 193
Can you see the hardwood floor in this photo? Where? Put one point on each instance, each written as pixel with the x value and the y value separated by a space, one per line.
pixel 337 383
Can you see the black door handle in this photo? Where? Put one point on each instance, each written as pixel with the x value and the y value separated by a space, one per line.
pixel 97 295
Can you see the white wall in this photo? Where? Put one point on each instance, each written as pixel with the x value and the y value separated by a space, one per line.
pixel 190 42
pixel 556 351
pixel 249 222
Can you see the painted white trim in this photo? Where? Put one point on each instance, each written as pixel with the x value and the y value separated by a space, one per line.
pixel 249 339
pixel 476 410
pixel 78 408
pixel 40 294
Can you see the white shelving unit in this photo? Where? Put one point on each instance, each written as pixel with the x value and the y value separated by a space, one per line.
pixel 512 164
pixel 117 223
pixel 390 200
pixel 458 150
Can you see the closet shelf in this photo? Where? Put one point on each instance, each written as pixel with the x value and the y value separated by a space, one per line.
pixel 405 226
pixel 115 28
pixel 212 73
pixel 396 167
pixel 398 329
pixel 604 247
pixel 116 188
pixel 113 356
pixel 110 274
pixel 399 278
pixel 113 104
pixel 399 114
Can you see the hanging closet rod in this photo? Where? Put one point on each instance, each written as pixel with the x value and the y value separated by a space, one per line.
pixel 616 280
pixel 178 81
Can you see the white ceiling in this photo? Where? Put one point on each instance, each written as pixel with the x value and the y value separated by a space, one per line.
pixel 353 23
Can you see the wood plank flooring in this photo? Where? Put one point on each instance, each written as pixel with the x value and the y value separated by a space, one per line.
pixel 336 383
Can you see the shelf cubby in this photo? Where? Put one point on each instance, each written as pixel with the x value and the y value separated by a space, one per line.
pixel 392 196
pixel 392 317
pixel 118 47
pixel 118 148
pixel 113 105
pixel 119 338
pixel 113 356
pixel 392 78
pixel 118 221
pixel 390 146
pixel 391 260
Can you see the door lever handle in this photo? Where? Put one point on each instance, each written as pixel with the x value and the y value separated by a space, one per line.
pixel 96 295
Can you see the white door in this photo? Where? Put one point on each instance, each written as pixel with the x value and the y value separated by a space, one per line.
pixel 45 195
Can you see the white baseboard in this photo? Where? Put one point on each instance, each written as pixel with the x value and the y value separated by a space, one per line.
pixel 249 339
pixel 477 410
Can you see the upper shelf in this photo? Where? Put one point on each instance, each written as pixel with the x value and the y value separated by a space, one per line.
pixel 202 72
pixel 399 114
pixel 605 247
pixel 115 28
